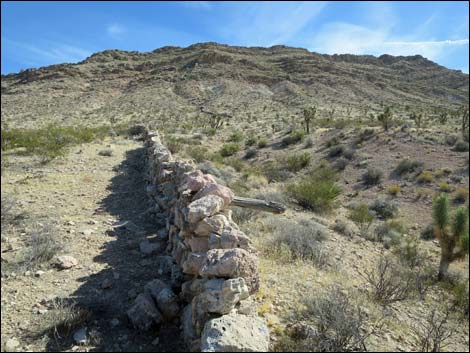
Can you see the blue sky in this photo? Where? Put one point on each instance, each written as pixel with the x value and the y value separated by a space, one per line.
pixel 40 33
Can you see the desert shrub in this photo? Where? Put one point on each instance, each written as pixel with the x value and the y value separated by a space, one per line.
pixel 251 153
pixel 341 227
pixel 461 195
pixel 364 135
pixel 297 161
pixel 49 142
pixel 210 131
pixel 460 291
pixel 63 317
pixel 372 176
pixel 407 166
pixel 135 130
pixel 332 142
pixel 408 252
pixel 335 151
pixel 444 187
pixel 349 153
pixel 229 149
pixel 428 232
pixel 390 233
pixel 174 144
pixel 308 142
pixel 8 204
pixel 297 240
pixel 362 217
pixel 384 209
pixel 425 177
pixel 389 281
pixel 394 190
pixel 242 215
pixel 340 164
pixel 294 137
pixel 236 137
pixel 451 139
pixel 250 141
pixel 340 324
pixel 236 164
pixel 317 191
pixel 262 143
pixel 461 146
pixel 43 245
pixel 274 171
pixel 198 153
pixel 108 152
pixel 433 333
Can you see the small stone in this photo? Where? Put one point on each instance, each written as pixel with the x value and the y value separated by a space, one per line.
pixel 27 273
pixel 39 273
pixel 131 293
pixel 148 248
pixel 106 284
pixel 114 322
pixel 86 232
pixel 79 336
pixel 156 341
pixel 11 345
pixel 66 261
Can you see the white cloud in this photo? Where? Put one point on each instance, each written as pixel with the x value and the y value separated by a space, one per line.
pixel 55 52
pixel 269 23
pixel 115 29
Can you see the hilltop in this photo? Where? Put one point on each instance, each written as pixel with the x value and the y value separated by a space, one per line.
pixel 169 82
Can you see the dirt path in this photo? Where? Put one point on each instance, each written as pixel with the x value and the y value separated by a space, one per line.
pixel 85 195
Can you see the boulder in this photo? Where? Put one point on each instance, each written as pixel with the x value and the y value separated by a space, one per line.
pixel 166 300
pixel 216 189
pixel 208 225
pixel 235 333
pixel 229 239
pixel 189 333
pixel 144 314
pixel 231 263
pixel 204 207
pixel 194 262
pixel 196 180
pixel 148 248
pixel 197 244
pixel 65 262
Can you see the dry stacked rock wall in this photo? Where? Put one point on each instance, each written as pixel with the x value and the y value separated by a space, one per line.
pixel 213 264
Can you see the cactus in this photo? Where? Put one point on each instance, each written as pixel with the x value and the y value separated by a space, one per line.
pixel 309 115
pixel 452 232
pixel 385 118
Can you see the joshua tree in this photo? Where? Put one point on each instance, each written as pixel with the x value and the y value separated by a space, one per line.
pixel 418 119
pixel 309 115
pixel 385 118
pixel 452 233
pixel 463 112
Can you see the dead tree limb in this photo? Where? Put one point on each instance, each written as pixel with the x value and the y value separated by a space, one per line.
pixel 261 205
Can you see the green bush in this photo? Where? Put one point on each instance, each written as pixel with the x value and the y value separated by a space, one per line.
pixel 294 137
pixel 236 137
pixel 49 142
pixel 372 176
pixel 229 149
pixel 262 143
pixel 250 141
pixel 317 191
pixel 335 151
pixel 198 153
pixel 407 166
pixel 297 161
pixel 461 146
pixel 362 217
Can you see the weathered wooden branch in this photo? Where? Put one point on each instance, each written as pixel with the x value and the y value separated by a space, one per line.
pixel 261 205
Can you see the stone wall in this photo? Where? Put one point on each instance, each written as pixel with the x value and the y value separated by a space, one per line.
pixel 213 264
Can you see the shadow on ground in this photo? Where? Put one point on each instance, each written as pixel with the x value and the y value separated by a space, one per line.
pixel 127 271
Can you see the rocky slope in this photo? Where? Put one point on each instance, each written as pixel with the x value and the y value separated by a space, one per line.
pixel 173 81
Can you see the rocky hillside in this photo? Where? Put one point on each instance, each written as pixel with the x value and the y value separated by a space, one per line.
pixel 170 81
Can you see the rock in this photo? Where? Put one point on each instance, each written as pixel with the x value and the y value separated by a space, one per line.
pixel 220 296
pixel 66 261
pixel 114 322
pixel 196 180
pixel 204 207
pixel 167 302
pixel 208 225
pixel 194 263
pixel 231 263
pixel 230 239
pixel 189 334
pixel 148 248
pixel 301 330
pixel 11 345
pixel 144 314
pixel 156 341
pixel 86 232
pixel 39 273
pixel 197 244
pixel 235 333
pixel 216 189
pixel 247 307
pixel 107 283
pixel 79 336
